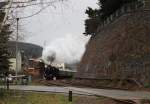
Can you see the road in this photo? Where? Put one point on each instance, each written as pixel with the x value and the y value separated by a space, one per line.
pixel 115 94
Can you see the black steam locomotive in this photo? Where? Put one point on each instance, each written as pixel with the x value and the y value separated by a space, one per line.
pixel 37 68
pixel 51 72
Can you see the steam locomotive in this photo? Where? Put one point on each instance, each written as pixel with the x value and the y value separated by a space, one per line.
pixel 38 69
pixel 51 72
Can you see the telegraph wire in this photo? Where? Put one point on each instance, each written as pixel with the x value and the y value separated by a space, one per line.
pixel 28 5
pixel 50 3
pixel 33 13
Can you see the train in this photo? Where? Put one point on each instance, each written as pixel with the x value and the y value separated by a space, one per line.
pixel 37 68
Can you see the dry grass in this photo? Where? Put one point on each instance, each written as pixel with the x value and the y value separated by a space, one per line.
pixel 33 98
pixel 17 97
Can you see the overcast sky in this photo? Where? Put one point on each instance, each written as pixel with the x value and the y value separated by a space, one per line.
pixel 56 21
pixel 59 28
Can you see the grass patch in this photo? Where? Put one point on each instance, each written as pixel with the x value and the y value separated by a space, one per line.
pixel 19 97
pixel 147 85
pixel 33 98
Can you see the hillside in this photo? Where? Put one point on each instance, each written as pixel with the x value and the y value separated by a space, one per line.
pixel 120 49
pixel 28 49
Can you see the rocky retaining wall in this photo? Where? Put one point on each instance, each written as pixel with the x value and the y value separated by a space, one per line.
pixel 120 50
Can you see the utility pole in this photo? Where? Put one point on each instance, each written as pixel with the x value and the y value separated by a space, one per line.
pixel 17 46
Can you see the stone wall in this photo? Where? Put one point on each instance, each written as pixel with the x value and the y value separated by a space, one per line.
pixel 119 50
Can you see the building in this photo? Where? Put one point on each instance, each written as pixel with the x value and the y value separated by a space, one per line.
pixel 26 52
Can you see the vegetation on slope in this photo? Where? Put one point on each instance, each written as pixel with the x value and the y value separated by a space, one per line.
pixel 96 16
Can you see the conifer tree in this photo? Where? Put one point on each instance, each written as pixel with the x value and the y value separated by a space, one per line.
pixel 4 37
pixel 97 16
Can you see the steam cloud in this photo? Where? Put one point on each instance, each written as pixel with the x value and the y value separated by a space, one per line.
pixel 68 49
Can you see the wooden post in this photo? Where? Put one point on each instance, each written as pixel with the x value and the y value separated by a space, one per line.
pixel 7 83
pixel 70 96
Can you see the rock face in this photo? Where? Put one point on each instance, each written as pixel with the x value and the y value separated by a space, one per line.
pixel 121 49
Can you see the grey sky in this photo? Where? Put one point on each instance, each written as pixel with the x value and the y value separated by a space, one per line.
pixel 55 22
pixel 60 27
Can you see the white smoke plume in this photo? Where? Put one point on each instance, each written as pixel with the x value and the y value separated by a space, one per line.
pixel 68 49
